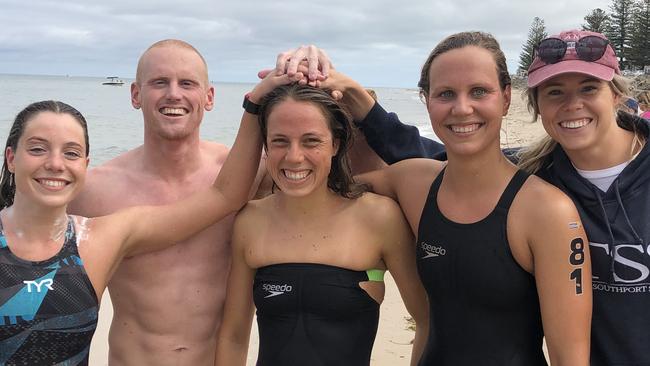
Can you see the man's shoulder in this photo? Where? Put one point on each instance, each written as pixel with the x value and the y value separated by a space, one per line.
pixel 103 184
pixel 122 166
pixel 215 149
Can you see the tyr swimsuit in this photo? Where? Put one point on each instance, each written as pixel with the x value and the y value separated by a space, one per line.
pixel 48 309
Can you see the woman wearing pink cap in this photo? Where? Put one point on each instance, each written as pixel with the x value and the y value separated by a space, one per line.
pixel 599 157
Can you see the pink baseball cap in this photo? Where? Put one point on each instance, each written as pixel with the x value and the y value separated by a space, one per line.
pixel 603 68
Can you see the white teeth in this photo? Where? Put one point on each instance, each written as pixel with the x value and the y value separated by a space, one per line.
pixel 575 123
pixel 173 111
pixel 52 183
pixel 465 128
pixel 296 175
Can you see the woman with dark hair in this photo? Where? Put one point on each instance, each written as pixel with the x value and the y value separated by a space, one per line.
pixel 55 266
pixel 502 254
pixel 311 257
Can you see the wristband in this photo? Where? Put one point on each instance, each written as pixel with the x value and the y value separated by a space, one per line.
pixel 251 107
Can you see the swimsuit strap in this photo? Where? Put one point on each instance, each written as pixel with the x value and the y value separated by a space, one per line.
pixel 511 190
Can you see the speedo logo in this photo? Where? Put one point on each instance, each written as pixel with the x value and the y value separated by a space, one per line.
pixel 432 250
pixel 276 290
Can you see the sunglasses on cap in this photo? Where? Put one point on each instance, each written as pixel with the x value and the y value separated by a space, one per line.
pixel 589 48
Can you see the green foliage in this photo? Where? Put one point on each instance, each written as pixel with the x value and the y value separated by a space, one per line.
pixel 620 26
pixel 536 33
pixel 596 21
pixel 639 52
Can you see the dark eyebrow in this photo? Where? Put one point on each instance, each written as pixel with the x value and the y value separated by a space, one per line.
pixel 37 139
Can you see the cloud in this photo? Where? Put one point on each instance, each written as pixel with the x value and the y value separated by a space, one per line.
pixel 380 42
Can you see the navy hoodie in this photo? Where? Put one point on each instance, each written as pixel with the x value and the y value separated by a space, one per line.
pixel 617 223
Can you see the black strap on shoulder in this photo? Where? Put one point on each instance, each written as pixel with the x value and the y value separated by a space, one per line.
pixel 511 190
pixel 435 186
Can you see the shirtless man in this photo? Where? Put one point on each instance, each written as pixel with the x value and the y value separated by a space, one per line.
pixel 168 304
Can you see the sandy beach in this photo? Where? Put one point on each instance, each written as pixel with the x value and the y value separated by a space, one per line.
pixel 393 343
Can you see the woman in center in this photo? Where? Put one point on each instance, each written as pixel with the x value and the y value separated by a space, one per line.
pixel 311 257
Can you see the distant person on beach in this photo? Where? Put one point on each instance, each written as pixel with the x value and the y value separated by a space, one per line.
pixel 167 304
pixel 311 257
pixel 55 266
pixel 502 254
pixel 644 103
pixel 598 157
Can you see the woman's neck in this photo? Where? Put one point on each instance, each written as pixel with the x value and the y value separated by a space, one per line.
pixel 35 224
pixel 472 174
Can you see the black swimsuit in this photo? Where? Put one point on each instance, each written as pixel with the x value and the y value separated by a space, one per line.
pixel 484 308
pixel 48 309
pixel 313 314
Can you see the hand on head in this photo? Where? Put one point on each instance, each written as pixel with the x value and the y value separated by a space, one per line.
pixel 310 61
pixel 318 63
pixel 270 80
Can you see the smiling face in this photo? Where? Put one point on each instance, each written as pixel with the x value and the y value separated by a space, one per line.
pixel 465 101
pixel 173 91
pixel 300 148
pixel 50 162
pixel 578 111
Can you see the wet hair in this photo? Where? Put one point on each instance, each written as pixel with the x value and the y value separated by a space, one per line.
pixel 339 122
pixel 177 43
pixel 7 182
pixel 460 40
pixel 532 158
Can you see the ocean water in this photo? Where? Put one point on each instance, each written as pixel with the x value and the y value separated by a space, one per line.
pixel 114 126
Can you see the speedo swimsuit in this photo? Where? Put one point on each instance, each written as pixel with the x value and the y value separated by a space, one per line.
pixel 48 309
pixel 484 309
pixel 314 314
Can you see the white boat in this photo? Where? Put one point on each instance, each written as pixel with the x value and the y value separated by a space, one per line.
pixel 113 80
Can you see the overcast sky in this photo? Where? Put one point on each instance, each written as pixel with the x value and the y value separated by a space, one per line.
pixel 379 42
